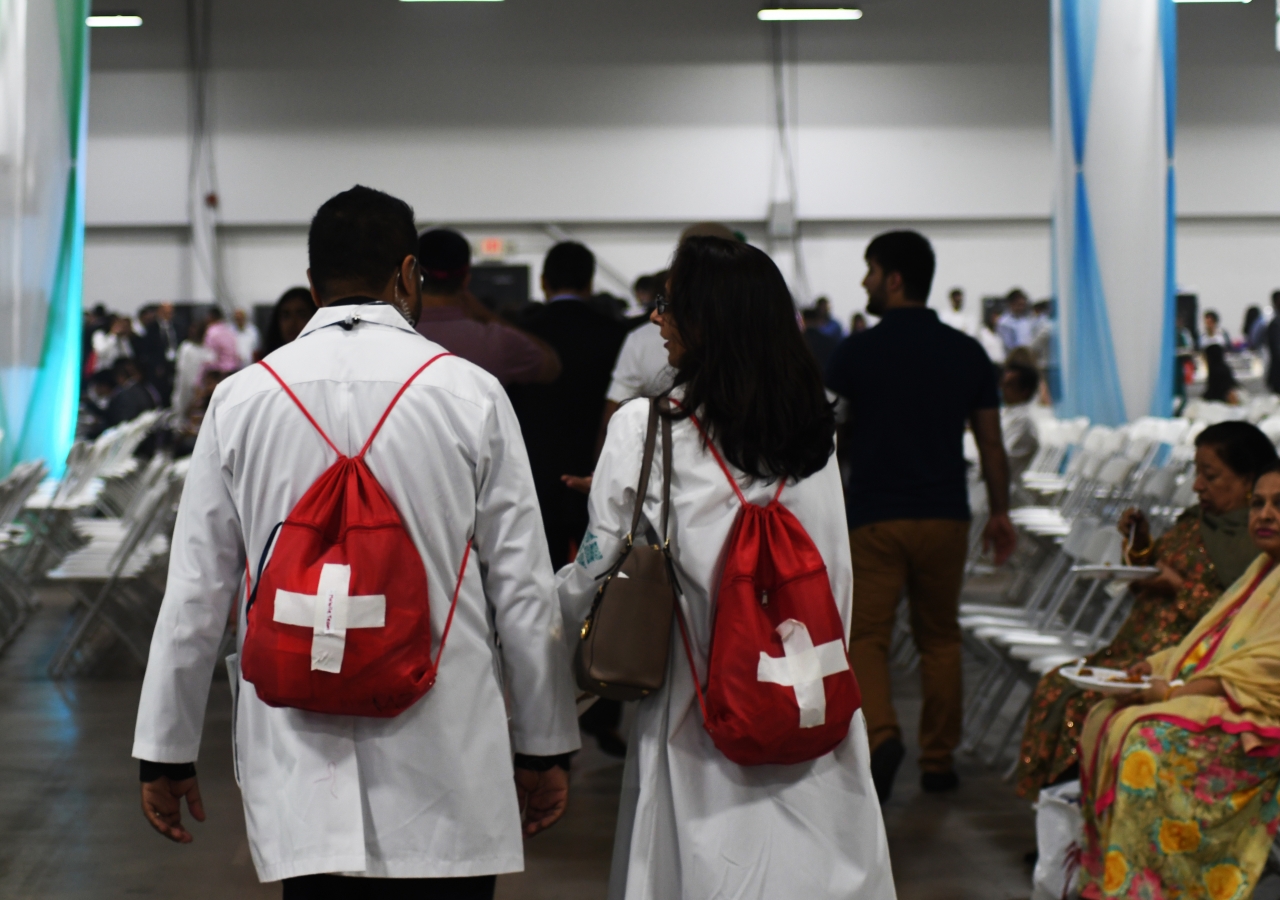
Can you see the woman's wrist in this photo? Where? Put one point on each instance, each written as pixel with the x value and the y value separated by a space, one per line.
pixel 1141 556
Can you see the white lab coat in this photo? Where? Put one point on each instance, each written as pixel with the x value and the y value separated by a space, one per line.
pixel 428 793
pixel 692 824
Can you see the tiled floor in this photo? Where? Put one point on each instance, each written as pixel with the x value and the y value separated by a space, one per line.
pixel 70 826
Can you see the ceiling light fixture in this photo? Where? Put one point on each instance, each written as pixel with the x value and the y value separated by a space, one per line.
pixel 1211 1
pixel 114 20
pixel 809 15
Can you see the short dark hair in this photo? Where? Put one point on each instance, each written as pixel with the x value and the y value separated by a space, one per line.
pixel 1212 314
pixel 908 253
pixel 569 266
pixel 1026 377
pixel 648 284
pixel 445 257
pixel 1242 447
pixel 360 236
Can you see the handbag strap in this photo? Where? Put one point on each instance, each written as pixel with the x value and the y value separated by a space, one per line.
pixel 646 463
pixel 667 462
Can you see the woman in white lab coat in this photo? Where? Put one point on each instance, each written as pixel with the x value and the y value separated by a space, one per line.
pixel 692 824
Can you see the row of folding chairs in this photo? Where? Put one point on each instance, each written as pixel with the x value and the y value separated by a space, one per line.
pixel 117 577
pixel 1062 602
pixel 101 478
pixel 16 598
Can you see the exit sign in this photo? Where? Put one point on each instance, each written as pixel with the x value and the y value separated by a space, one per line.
pixel 493 248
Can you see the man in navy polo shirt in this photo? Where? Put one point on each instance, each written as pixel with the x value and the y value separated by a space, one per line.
pixel 913 384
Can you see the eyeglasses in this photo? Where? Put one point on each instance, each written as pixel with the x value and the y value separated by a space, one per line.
pixel 661 304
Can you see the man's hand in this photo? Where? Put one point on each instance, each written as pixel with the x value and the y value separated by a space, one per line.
pixel 162 805
pixel 1000 537
pixel 575 483
pixel 543 797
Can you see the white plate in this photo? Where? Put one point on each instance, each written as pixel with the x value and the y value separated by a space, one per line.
pixel 1117 573
pixel 1099 679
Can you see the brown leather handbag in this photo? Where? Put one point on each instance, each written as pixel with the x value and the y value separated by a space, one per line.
pixel 622 654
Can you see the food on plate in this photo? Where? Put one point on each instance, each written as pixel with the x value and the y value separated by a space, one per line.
pixel 1126 679
pixel 1086 673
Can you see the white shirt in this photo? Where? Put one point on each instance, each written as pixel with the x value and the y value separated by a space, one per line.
pixel 248 340
pixel 958 320
pixel 642 369
pixel 192 359
pixel 1021 441
pixel 992 343
pixel 428 793
pixel 108 347
pixel 692 824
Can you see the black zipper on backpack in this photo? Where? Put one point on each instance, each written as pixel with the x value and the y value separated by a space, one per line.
pixel 262 564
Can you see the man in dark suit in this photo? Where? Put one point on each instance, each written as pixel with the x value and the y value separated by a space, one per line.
pixel 560 420
pixel 156 349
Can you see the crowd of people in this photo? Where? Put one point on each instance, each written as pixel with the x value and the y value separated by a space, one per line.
pixel 520 440
pixel 172 358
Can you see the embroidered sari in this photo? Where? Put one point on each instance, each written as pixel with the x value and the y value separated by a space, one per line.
pixel 1180 797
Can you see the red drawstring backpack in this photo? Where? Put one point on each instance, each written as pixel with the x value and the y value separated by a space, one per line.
pixel 780 689
pixel 339 620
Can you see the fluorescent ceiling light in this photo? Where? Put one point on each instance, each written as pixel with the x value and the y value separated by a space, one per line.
pixel 1210 1
pixel 114 21
pixel 811 15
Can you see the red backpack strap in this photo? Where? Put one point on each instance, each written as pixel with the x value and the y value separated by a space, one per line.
pixel 394 400
pixel 693 669
pixel 723 466
pixel 444 635
pixel 294 398
pixel 716 453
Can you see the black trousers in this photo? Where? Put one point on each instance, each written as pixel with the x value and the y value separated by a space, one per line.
pixel 336 887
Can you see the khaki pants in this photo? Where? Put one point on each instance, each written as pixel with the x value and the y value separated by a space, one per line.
pixel 926 556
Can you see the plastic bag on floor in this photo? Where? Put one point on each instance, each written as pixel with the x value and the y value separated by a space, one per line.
pixel 1059 837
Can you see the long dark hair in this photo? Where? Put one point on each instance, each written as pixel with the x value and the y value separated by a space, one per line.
pixel 1221 381
pixel 746 370
pixel 274 338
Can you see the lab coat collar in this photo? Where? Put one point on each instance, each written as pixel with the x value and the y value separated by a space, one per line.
pixel 379 313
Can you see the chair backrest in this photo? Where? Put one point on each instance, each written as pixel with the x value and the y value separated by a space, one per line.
pixel 1104 546
pixel 1082 530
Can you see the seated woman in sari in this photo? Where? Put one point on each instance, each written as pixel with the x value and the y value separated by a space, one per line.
pixel 1178 783
pixel 1199 558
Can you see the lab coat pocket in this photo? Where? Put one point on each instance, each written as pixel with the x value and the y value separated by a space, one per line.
pixel 233 676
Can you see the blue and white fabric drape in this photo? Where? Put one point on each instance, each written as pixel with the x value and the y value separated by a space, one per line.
pixel 43 114
pixel 1113 110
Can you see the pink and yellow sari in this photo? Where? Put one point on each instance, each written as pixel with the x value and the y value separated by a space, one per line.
pixel 1180 797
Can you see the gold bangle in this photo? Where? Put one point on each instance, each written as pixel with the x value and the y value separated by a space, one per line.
pixel 1141 555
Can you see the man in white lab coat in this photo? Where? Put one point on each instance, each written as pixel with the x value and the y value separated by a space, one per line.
pixel 427 794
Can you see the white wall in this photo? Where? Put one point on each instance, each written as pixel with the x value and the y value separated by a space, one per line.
pixel 622 155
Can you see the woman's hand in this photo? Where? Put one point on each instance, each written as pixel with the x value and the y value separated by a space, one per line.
pixel 1168 582
pixel 575 483
pixel 1134 522
pixel 1139 669
pixel 1158 691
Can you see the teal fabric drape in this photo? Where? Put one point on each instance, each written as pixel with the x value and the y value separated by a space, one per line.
pixel 44 68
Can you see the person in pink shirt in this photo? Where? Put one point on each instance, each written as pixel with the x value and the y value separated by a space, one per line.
pixel 220 338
